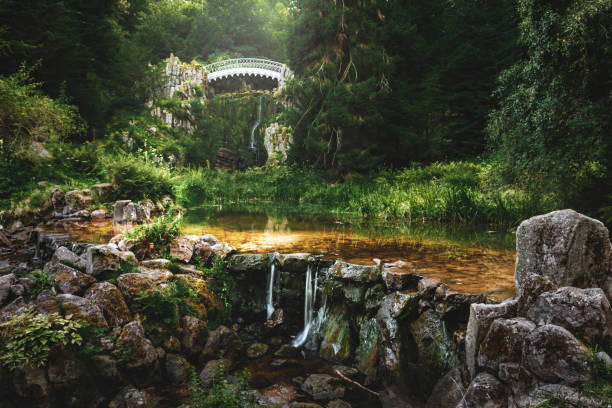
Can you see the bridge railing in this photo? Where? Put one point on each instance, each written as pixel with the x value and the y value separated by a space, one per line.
pixel 246 63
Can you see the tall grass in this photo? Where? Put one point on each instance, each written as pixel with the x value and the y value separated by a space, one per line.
pixel 455 192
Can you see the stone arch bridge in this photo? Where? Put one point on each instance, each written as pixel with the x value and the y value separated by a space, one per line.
pixel 249 67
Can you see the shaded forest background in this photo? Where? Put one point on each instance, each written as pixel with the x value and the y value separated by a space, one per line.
pixel 521 88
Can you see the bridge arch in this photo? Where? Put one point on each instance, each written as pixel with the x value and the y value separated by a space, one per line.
pixel 249 67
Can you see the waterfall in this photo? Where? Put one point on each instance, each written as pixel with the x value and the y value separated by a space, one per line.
pixel 270 298
pixel 256 125
pixel 311 325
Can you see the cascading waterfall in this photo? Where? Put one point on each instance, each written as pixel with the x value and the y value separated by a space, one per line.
pixel 311 325
pixel 256 125
pixel 270 297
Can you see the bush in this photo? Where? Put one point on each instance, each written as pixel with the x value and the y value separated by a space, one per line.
pixel 136 179
pixel 168 304
pixel 28 338
pixel 160 232
pixel 226 391
pixel 40 282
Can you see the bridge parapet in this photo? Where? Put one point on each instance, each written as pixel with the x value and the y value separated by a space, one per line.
pixel 249 66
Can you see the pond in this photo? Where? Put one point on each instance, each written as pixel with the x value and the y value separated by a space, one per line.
pixel 468 259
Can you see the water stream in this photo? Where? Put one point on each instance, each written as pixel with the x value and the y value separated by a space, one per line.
pixel 310 294
pixel 270 296
pixel 256 125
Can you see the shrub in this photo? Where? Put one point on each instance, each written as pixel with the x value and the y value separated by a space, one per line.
pixel 169 304
pixel 160 232
pixel 223 286
pixel 226 391
pixel 28 338
pixel 40 282
pixel 136 179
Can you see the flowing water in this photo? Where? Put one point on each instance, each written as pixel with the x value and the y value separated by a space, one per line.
pixel 270 295
pixel 473 259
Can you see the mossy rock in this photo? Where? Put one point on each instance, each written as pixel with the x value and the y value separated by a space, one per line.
pixel 337 342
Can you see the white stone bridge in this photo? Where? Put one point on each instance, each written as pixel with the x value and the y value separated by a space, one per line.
pixel 249 67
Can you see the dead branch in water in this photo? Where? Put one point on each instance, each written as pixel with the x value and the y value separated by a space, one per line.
pixel 356 383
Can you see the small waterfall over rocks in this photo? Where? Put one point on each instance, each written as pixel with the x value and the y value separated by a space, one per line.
pixel 270 293
pixel 310 294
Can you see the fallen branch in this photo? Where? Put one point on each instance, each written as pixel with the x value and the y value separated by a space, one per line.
pixel 356 383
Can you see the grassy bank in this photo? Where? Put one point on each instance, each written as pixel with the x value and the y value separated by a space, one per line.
pixel 454 192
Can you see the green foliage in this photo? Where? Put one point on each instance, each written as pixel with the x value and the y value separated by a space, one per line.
pixel 136 179
pixel 160 232
pixel 167 305
pixel 223 287
pixel 457 192
pixel 226 391
pixel 552 129
pixel 40 281
pixel 28 338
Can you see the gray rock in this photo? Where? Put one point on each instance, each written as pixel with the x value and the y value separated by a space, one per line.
pixel 323 387
pixel 222 338
pixel 210 239
pixel 481 317
pixel 584 312
pixel 132 285
pixel 296 263
pixel 400 275
pixel 124 212
pixel 63 254
pixel 519 383
pixel 568 395
pixel 449 390
pixel 108 298
pixel 366 355
pixel 193 335
pixel 533 286
pixel 568 248
pixel 427 287
pixel 553 354
pixel 6 281
pixel 67 279
pixel 257 350
pixel 178 369
pixel 485 391
pixel 130 397
pixel 76 201
pixel 107 258
pixel 212 369
pixel 223 249
pixel 142 360
pixel 33 386
pixel 357 273
pixel 98 215
pixel 182 248
pixel 249 263
pixel 504 342
pixel 81 309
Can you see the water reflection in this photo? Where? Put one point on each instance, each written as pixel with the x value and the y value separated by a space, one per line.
pixel 467 259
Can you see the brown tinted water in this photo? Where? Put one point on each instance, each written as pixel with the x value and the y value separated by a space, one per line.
pixel 467 259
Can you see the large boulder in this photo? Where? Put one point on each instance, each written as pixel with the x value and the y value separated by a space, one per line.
pixel 130 397
pixel 222 338
pixel 323 387
pixel 81 309
pixel 182 248
pixel 249 263
pixel 107 258
pixel 568 248
pixel 193 334
pixel 67 279
pixel 481 317
pixel 178 369
pixel 141 361
pixel 6 282
pixel 76 201
pixel 356 273
pixel 296 263
pixel 553 354
pixel 504 342
pixel 132 285
pixel 584 312
pixel 66 256
pixel 449 390
pixel 485 391
pixel 108 298
pixel 533 286
pixel 124 212
pixel 400 275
